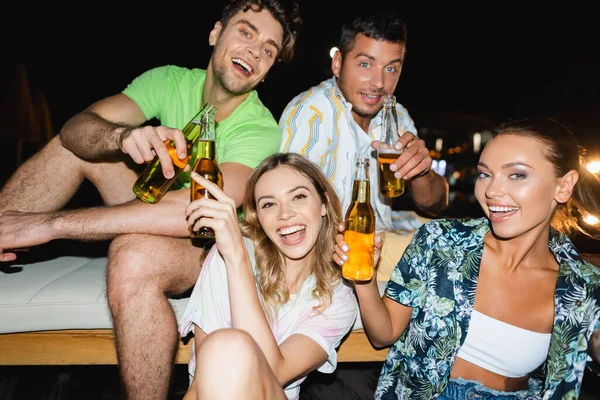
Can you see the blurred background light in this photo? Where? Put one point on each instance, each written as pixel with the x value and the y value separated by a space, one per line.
pixel 593 167
pixel 591 220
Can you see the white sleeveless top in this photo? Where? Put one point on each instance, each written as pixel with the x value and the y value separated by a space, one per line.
pixel 502 348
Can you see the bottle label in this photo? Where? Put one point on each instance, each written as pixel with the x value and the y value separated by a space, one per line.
pixel 174 157
pixel 359 266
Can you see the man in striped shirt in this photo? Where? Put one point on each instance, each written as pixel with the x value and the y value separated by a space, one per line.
pixel 340 119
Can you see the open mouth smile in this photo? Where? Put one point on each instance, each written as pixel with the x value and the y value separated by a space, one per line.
pixel 242 66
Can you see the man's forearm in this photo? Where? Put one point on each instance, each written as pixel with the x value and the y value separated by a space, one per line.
pixel 166 218
pixel 430 192
pixel 92 137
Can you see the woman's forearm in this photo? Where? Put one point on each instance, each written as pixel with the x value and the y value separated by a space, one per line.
pixel 246 310
pixel 374 314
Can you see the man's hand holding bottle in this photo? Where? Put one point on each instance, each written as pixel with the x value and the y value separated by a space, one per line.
pixel 142 144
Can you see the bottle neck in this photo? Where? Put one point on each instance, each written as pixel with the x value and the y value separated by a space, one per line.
pixel 202 125
pixel 390 125
pixel 361 191
pixel 206 149
pixel 208 125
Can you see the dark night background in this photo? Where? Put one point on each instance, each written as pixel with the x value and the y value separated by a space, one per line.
pixel 489 61
pixel 467 67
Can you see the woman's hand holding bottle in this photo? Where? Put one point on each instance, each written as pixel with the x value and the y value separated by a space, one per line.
pixel 340 254
pixel 219 214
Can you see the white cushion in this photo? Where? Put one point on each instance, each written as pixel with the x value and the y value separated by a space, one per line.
pixel 64 293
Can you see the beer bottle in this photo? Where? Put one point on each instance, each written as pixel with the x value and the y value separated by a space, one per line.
pixel 206 166
pixel 389 186
pixel 152 185
pixel 359 233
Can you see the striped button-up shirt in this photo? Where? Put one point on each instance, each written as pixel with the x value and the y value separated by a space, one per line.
pixel 318 124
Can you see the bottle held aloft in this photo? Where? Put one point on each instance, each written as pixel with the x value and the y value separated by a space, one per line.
pixel 206 166
pixel 359 233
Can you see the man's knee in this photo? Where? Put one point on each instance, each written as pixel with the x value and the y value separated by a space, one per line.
pixel 152 264
pixel 130 259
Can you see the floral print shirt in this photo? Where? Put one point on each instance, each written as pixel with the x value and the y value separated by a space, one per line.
pixel 437 277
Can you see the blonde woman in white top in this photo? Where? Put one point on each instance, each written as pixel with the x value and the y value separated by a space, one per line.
pixel 270 305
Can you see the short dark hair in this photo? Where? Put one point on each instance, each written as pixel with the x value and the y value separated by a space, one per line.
pixel 379 26
pixel 286 12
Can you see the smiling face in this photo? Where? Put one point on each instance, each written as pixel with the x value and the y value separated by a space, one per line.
pixel 368 73
pixel 517 186
pixel 245 49
pixel 290 212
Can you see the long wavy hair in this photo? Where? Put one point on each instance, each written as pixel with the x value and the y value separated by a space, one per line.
pixel 269 259
pixel 562 149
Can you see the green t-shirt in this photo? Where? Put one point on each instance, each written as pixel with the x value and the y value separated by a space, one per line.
pixel 173 95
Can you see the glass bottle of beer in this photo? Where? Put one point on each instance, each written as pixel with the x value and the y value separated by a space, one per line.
pixel 206 166
pixel 359 232
pixel 389 186
pixel 152 185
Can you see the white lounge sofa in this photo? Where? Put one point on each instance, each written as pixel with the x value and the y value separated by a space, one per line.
pixel 55 312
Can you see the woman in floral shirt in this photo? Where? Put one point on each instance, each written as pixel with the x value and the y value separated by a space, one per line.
pixel 501 307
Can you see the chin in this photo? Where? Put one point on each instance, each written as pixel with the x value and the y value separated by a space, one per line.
pixel 297 254
pixel 505 234
pixel 363 112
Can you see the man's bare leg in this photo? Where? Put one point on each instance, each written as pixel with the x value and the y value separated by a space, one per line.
pixel 230 365
pixel 50 178
pixel 142 271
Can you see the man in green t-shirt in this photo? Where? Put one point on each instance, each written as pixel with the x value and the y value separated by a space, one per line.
pixel 151 255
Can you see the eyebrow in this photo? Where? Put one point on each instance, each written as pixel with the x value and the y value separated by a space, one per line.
pixel 288 192
pixel 255 29
pixel 370 57
pixel 509 165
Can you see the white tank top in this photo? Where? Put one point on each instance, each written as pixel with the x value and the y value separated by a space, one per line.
pixel 502 348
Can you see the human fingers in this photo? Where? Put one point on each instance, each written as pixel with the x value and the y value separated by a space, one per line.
pixel 340 249
pixel 405 139
pixel 177 137
pixel 7 256
pixel 413 161
pixel 213 188
pixel 165 152
pixel 211 208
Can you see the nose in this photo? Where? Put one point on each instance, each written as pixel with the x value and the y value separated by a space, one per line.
pixel 285 212
pixel 254 50
pixel 377 79
pixel 494 189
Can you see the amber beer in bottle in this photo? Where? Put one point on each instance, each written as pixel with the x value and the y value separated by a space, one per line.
pixel 359 232
pixel 206 166
pixel 152 185
pixel 389 185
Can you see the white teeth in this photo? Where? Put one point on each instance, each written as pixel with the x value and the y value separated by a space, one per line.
pixel 291 229
pixel 243 64
pixel 502 209
pixel 371 96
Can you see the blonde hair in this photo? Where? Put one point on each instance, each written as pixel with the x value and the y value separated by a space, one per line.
pixel 270 261
pixel 561 148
